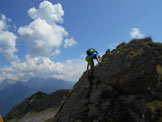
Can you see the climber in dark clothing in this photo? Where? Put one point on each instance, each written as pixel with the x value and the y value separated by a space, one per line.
pixel 91 54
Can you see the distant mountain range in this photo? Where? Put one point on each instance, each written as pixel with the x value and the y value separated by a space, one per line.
pixel 7 83
pixel 39 107
pixel 13 92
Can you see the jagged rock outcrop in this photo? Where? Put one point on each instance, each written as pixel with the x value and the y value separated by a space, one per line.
pixel 126 87
pixel 37 103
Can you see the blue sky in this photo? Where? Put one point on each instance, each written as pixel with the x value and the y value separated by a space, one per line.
pixel 49 38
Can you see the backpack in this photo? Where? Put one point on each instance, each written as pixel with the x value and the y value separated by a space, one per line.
pixel 90 51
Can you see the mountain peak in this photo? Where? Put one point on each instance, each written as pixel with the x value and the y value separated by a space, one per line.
pixel 12 94
pixel 37 103
pixel 126 87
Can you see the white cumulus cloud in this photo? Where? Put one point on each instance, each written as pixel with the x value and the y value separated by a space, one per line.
pixel 44 34
pixel 47 11
pixel 7 40
pixel 69 42
pixel 42 37
pixel 70 70
pixel 136 33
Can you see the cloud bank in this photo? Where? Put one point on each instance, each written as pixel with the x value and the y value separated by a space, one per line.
pixel 69 70
pixel 44 36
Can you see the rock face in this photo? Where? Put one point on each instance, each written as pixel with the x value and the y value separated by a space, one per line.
pixel 37 103
pixel 126 87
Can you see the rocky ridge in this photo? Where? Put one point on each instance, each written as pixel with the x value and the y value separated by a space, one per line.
pixel 126 87
pixel 37 108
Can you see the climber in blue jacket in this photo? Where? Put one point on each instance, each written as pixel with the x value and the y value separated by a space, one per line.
pixel 91 54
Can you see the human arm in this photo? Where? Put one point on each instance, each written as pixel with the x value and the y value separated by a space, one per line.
pixel 98 59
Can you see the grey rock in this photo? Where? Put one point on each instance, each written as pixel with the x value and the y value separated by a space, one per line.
pixel 119 90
